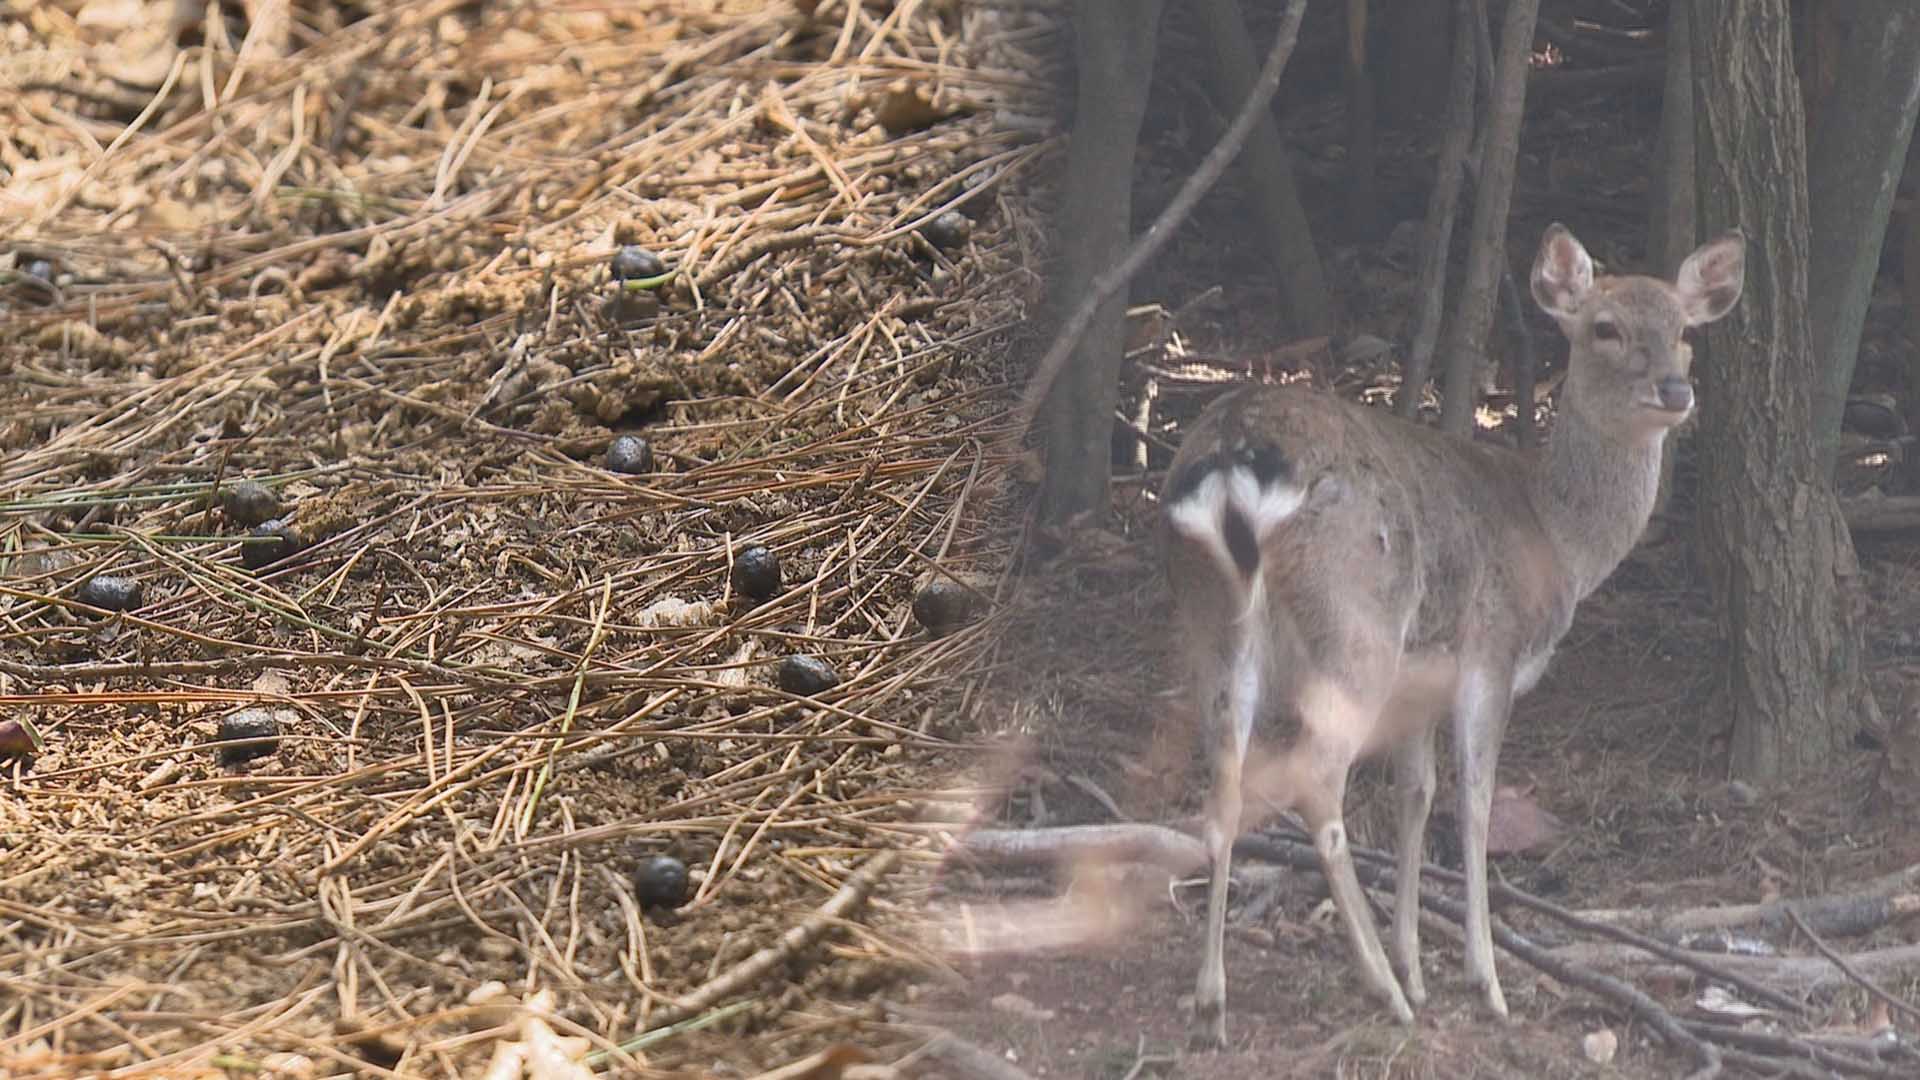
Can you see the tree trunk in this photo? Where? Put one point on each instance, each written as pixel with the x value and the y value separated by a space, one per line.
pixel 1486 259
pixel 1910 293
pixel 1770 530
pixel 1670 228
pixel 1859 143
pixel 1303 288
pixel 1437 240
pixel 1362 210
pixel 1114 42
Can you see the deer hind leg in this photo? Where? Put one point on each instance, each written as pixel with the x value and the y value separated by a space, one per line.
pixel 1413 777
pixel 1222 827
pixel 1231 700
pixel 1481 705
pixel 1334 724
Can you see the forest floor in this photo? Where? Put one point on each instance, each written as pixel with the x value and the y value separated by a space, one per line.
pixel 364 260
pixel 370 270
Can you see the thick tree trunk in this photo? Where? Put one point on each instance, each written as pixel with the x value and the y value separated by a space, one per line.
pixel 1859 142
pixel 1466 342
pixel 1771 534
pixel 1303 288
pixel 1114 51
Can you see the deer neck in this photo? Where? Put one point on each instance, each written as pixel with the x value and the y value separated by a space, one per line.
pixel 1594 490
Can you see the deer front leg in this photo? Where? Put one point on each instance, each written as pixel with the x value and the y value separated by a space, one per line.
pixel 1413 776
pixel 1481 705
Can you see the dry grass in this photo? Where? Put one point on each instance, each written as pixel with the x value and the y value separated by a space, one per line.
pixel 359 255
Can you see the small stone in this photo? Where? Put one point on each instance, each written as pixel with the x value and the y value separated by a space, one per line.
pixel 257 726
pixel 288 541
pixel 942 605
pixel 110 592
pixel 756 572
pixel 948 230
pixel 633 262
pixel 1742 793
pixel 249 503
pixel 661 882
pixel 630 454
pixel 1600 1046
pixel 806 675
pixel 42 269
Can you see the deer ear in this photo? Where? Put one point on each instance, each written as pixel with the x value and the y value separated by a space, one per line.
pixel 1562 273
pixel 1710 279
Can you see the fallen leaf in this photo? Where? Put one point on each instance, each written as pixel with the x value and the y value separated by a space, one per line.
pixel 1519 824
pixel 19 739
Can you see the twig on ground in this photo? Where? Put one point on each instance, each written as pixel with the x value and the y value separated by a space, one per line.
pixel 1852 972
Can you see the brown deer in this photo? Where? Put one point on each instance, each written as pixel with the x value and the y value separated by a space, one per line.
pixel 1342 579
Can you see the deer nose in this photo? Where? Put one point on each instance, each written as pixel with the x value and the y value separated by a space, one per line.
pixel 1676 393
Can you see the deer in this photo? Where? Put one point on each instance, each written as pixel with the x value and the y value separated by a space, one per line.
pixel 1342 578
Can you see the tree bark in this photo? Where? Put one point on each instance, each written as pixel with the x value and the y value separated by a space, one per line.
pixel 1670 230
pixel 1670 220
pixel 1770 530
pixel 1442 201
pixel 1114 42
pixel 1467 337
pixel 1303 287
pixel 1362 207
pixel 1859 144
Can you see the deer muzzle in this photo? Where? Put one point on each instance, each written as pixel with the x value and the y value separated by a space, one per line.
pixel 1676 393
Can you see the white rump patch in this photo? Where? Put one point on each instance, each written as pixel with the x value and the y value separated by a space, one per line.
pixel 1201 514
pixel 1263 507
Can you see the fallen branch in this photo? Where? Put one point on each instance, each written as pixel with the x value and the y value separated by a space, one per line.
pixel 1846 967
pixel 1881 514
pixel 1846 914
pixel 1860 1054
pixel 1798 975
pixel 1170 849
pixel 972 1060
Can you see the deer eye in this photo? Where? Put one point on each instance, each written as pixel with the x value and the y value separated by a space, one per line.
pixel 1606 330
